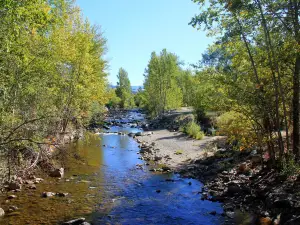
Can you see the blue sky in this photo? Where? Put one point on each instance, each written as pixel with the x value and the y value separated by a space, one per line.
pixel 135 28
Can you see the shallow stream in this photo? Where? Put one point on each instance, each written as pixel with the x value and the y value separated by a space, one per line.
pixel 107 186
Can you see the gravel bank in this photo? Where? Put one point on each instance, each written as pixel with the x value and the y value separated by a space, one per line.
pixel 176 149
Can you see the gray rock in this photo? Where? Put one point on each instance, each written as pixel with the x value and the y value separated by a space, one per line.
pixel 38 180
pixel 230 214
pixel 2 213
pixel 13 208
pixel 77 221
pixel 32 186
pixel 157 158
pixel 47 194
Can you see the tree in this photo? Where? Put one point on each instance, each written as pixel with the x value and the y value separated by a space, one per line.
pixel 161 87
pixel 52 72
pixel 123 90
pixel 255 39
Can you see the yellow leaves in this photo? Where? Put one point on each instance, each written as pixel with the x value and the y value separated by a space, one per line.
pixel 46 9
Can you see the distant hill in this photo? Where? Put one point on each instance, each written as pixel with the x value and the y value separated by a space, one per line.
pixel 134 89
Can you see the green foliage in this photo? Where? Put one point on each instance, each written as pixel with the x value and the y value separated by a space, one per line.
pixel 290 167
pixel 140 99
pixel 123 90
pixel 162 92
pixel 179 152
pixel 52 70
pixel 254 67
pixel 113 100
pixel 193 130
pixel 96 114
pixel 238 128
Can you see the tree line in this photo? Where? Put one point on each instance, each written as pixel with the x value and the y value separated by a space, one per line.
pixel 53 74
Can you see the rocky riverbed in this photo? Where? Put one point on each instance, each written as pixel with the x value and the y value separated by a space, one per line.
pixel 106 181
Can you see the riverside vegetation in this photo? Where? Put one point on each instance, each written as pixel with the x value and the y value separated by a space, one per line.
pixel 53 85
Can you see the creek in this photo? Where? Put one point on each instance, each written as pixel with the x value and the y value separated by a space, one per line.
pixel 108 184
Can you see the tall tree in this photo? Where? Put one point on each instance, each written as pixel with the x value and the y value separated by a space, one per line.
pixel 161 86
pixel 123 90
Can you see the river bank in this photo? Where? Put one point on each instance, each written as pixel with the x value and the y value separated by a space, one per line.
pixel 240 181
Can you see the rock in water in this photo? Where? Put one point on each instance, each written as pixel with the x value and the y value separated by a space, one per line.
pixel 139 134
pixel 78 221
pixel 213 213
pixel 57 173
pixel 131 134
pixel 106 127
pixel 2 213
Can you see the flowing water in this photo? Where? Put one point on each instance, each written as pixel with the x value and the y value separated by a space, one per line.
pixel 106 186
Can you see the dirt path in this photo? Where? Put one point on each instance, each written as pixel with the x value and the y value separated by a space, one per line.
pixel 168 143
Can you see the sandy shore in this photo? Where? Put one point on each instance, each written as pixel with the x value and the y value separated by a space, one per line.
pixel 168 144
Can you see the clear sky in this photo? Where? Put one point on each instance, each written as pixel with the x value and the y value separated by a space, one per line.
pixel 135 28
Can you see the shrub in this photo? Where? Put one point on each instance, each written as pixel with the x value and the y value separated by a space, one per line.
pixel 193 130
pixel 290 167
pixel 238 128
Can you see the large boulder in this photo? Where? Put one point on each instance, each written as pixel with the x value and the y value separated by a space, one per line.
pixel 57 173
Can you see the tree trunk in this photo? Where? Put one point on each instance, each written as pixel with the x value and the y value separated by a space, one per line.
pixel 296 130
pixel 296 108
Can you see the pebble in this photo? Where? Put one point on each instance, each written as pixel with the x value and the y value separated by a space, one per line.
pixel 47 194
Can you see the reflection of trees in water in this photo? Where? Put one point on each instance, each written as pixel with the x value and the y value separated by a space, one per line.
pixel 124 142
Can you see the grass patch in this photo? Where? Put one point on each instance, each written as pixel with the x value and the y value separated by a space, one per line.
pixel 193 130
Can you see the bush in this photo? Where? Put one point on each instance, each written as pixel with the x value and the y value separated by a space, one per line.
pixel 193 130
pixel 238 129
pixel 290 167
